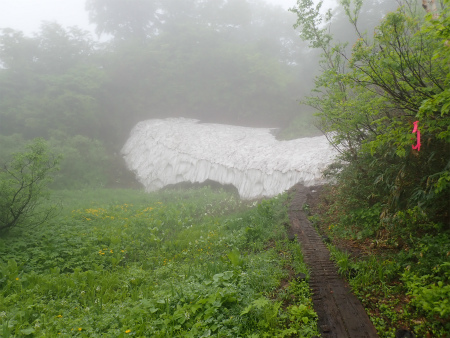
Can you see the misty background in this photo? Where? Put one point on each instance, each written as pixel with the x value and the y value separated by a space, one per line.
pixel 27 15
pixel 81 74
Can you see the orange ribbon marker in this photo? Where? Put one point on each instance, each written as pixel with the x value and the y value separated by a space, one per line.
pixel 416 130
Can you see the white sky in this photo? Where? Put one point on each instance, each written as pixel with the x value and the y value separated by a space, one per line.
pixel 27 15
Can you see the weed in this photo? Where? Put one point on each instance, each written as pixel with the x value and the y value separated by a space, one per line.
pixel 177 264
pixel 401 273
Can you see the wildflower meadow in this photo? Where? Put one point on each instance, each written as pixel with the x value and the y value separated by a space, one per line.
pixel 121 263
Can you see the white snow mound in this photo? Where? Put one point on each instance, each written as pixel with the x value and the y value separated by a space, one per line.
pixel 169 151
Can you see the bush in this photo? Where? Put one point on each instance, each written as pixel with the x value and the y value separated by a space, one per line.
pixel 23 185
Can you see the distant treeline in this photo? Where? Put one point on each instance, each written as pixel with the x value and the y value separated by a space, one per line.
pixel 236 62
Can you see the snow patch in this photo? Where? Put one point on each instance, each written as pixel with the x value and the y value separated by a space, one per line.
pixel 170 151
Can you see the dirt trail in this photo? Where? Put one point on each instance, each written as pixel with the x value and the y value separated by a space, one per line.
pixel 341 315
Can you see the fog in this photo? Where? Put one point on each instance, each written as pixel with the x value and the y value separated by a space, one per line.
pixel 81 74
pixel 27 15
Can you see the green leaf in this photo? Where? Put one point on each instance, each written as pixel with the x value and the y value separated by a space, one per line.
pixel 28 331
pixel 246 310
pixel 261 302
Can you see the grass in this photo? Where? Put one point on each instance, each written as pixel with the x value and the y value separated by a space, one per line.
pixel 119 263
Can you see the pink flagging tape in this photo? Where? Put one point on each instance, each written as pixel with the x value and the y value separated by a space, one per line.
pixel 416 130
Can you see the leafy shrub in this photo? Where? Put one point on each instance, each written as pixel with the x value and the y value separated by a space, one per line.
pixel 430 295
pixel 23 185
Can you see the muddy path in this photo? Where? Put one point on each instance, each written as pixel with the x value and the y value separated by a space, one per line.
pixel 341 314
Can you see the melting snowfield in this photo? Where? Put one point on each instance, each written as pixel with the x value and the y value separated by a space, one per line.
pixel 170 151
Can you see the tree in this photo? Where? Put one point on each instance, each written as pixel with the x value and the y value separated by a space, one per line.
pixel 60 49
pixel 124 18
pixel 23 186
pixel 49 82
pixel 368 102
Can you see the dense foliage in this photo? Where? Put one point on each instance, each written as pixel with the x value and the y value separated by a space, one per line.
pixel 177 264
pixel 391 197
pixel 369 101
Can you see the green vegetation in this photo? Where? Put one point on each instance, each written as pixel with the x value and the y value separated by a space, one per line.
pixel 400 287
pixel 199 263
pixel 176 264
pixel 24 184
pixel 388 213
pixel 368 104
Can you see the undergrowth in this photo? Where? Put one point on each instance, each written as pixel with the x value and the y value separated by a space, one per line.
pixel 400 272
pixel 121 263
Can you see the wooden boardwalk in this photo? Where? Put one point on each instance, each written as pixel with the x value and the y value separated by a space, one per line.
pixel 341 314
